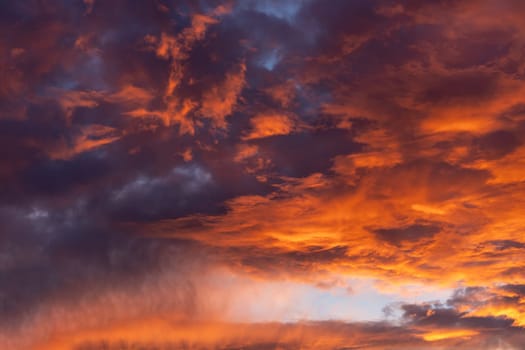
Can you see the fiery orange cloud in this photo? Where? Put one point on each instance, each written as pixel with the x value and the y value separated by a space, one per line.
pixel 264 125
pixel 89 138
pixel 440 335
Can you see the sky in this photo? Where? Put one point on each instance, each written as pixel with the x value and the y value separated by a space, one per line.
pixel 262 175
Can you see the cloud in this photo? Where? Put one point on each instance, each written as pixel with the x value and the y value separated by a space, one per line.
pixel 410 233
pixel 219 101
pixel 89 138
pixel 264 125
pixel 173 171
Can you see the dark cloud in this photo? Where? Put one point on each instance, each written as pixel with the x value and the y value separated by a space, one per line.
pixel 507 244
pixel 298 155
pixel 440 317
pixel 496 144
pixel 412 233
pixel 464 87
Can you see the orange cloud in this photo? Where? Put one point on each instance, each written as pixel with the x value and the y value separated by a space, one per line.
pixel 450 334
pixel 219 101
pixel 264 125
pixel 89 138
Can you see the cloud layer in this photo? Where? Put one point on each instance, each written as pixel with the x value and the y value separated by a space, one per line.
pixel 262 174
